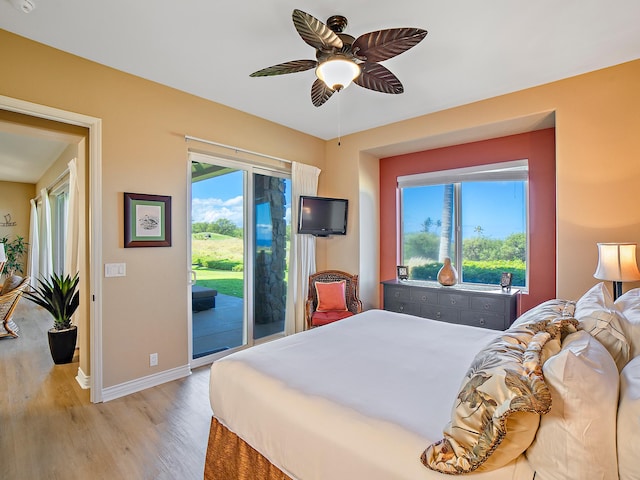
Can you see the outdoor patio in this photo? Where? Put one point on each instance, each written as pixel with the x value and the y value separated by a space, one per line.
pixel 220 328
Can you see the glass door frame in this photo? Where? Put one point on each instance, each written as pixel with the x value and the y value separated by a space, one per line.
pixel 248 169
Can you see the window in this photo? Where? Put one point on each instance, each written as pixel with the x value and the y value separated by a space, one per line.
pixel 59 200
pixel 476 216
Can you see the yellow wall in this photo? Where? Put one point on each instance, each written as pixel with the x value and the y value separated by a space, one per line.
pixel 598 168
pixel 598 164
pixel 143 151
pixel 14 201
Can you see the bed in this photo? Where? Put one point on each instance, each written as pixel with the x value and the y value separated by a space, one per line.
pixel 378 396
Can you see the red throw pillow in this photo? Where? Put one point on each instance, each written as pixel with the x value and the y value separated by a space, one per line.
pixel 331 296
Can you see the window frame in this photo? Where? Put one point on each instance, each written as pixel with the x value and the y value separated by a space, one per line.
pixel 59 203
pixel 516 170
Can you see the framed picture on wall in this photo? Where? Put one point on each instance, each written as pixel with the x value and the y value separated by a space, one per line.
pixel 403 272
pixel 147 220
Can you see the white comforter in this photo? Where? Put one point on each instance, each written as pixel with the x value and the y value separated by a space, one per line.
pixel 357 399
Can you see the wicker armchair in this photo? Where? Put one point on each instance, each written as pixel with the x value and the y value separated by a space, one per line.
pixel 353 303
pixel 8 303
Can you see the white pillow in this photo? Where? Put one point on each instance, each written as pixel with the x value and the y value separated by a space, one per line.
pixel 629 305
pixel 599 316
pixel 629 421
pixel 577 438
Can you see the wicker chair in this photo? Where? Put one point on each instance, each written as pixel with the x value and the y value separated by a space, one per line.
pixel 353 303
pixel 8 303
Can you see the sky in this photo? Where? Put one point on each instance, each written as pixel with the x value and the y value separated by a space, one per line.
pixel 221 197
pixel 494 206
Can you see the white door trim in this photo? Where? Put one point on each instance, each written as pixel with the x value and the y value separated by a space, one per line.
pixel 94 125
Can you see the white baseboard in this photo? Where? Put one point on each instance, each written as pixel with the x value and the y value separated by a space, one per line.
pixel 133 386
pixel 83 380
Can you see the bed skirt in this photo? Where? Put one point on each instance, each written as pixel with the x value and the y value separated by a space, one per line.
pixel 231 458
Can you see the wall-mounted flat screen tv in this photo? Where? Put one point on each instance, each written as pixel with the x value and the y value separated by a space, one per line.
pixel 322 216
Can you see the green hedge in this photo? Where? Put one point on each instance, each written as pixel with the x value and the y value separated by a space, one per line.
pixel 230 265
pixel 487 272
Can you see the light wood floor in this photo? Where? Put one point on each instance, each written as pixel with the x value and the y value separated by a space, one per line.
pixel 50 430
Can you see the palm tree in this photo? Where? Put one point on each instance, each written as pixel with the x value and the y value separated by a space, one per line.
pixel 447 216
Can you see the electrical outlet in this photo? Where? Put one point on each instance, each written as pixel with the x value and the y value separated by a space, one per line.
pixel 153 359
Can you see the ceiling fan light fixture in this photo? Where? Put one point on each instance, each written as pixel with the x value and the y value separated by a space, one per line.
pixel 338 73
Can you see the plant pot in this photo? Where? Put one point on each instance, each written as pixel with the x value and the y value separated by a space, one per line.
pixel 62 344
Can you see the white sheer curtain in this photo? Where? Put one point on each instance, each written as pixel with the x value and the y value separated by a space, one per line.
pixel 46 242
pixel 34 246
pixel 71 243
pixel 302 252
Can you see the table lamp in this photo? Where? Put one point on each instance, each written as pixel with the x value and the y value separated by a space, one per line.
pixel 3 257
pixel 617 263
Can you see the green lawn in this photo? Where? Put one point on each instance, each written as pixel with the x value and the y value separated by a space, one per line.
pixel 213 258
pixel 224 281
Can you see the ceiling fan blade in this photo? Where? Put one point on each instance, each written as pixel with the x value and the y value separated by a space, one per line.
pixel 287 67
pixel 320 93
pixel 385 44
pixel 376 77
pixel 314 32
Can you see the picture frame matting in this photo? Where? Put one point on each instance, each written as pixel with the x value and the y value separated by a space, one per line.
pixel 147 220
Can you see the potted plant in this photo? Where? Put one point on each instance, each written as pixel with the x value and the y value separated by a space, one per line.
pixel 14 251
pixel 58 295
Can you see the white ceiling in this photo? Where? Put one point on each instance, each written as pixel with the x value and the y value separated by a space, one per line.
pixel 41 153
pixel 474 49
pixel 26 153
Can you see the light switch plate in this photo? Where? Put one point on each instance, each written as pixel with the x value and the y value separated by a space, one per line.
pixel 115 269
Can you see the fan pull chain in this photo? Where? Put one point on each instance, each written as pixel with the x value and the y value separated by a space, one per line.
pixel 339 120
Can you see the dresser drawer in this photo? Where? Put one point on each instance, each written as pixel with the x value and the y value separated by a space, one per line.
pixel 402 307
pixel 453 299
pixel 396 293
pixel 422 296
pixel 488 304
pixel 481 319
pixel 438 312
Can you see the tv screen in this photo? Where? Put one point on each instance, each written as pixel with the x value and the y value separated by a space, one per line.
pixel 322 216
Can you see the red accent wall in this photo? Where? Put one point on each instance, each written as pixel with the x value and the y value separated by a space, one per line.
pixel 538 147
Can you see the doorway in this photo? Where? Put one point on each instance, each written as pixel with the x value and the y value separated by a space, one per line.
pixel 240 231
pixel 90 369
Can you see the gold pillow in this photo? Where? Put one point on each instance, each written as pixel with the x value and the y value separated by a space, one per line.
pixel 548 310
pixel 497 412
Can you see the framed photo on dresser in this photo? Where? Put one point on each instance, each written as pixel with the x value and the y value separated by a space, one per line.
pixel 403 272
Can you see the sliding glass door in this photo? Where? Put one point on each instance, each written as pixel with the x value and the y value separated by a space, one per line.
pixel 270 249
pixel 239 252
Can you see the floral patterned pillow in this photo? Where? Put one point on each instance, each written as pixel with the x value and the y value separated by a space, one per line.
pixel 497 412
pixel 549 310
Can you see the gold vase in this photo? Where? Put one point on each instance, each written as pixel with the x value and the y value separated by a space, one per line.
pixel 447 275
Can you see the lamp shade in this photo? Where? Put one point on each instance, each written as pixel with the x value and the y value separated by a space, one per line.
pixel 3 255
pixel 337 73
pixel 617 262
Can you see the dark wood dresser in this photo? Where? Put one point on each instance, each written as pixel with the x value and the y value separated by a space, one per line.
pixel 487 307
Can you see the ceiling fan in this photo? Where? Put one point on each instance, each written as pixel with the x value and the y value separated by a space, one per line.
pixel 342 59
